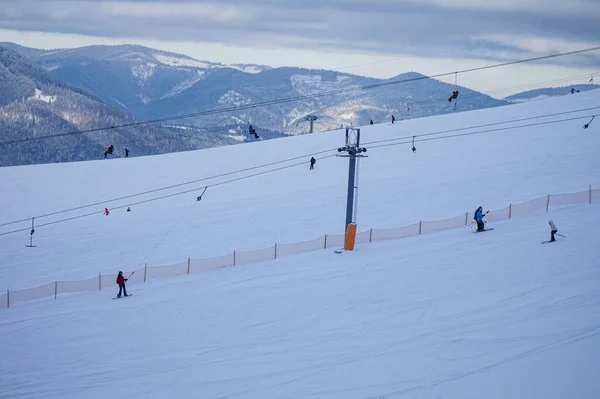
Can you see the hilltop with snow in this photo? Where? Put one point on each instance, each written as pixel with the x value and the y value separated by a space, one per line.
pixel 549 92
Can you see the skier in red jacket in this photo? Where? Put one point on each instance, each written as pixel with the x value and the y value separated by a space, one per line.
pixel 121 281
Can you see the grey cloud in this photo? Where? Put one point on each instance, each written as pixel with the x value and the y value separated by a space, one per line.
pixel 422 28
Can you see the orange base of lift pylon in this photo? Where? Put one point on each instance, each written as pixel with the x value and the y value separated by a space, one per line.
pixel 350 237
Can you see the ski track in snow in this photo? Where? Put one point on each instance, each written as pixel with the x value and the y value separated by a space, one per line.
pixel 444 315
pixel 374 323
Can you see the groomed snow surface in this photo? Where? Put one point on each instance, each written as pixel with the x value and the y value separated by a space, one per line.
pixel 452 314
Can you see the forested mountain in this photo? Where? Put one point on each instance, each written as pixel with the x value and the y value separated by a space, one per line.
pixel 33 104
pixel 149 83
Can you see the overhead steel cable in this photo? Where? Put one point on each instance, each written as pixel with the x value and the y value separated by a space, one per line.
pixel 441 132
pixel 387 144
pixel 484 125
pixel 166 196
pixel 409 139
pixel 477 94
pixel 108 201
pixel 297 98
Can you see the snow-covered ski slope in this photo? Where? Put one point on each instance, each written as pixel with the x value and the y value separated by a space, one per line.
pixel 442 179
pixel 451 314
pixel 455 314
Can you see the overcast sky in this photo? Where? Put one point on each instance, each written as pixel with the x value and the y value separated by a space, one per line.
pixel 380 38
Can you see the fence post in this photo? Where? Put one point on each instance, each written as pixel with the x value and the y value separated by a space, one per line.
pixel 419 227
pixel 7 299
pixel 145 271
pixel 189 261
pixel 234 257
pixel 275 251
pixel 325 245
pixel 371 235
pixel 55 289
pixel 99 281
pixel 590 193
pixel 548 203
pixel 466 217
pixel 509 211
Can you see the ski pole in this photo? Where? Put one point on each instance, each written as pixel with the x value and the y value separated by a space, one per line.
pixel 131 274
pixel 560 235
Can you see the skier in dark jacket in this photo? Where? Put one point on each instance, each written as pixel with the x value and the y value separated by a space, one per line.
pixel 454 96
pixel 371 122
pixel 479 215
pixel 252 131
pixel 313 161
pixel 553 230
pixel 126 152
pixel 121 282
pixel 110 150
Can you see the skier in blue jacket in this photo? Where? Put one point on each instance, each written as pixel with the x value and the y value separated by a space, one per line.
pixel 479 215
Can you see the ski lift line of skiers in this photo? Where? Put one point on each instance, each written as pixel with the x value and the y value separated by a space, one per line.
pixel 454 96
pixel 479 215
pixel 111 149
pixel 252 131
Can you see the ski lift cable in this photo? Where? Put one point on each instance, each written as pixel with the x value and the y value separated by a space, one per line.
pixel 486 125
pixel 512 88
pixel 298 98
pixel 327 156
pixel 407 139
pixel 166 235
pixel 108 201
pixel 337 69
pixel 169 195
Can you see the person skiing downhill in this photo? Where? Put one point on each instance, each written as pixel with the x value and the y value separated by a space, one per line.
pixel 313 161
pixel 479 215
pixel 553 231
pixel 121 282
pixel 393 119
pixel 106 212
